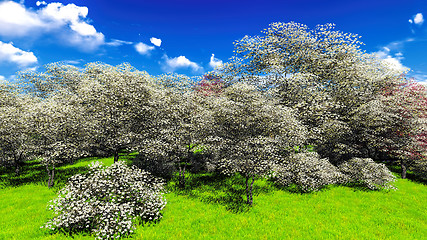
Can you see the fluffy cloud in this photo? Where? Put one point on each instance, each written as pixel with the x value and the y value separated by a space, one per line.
pixel 82 34
pixel 214 62
pixel 116 43
pixel 171 64
pixel 65 21
pixel 143 48
pixel 2 78
pixel 156 41
pixel 17 21
pixel 417 19
pixel 399 55
pixel 38 3
pixel 9 53
pixel 393 62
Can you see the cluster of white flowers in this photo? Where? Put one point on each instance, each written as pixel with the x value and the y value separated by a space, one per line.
pixel 107 200
pixel 308 171
pixel 371 174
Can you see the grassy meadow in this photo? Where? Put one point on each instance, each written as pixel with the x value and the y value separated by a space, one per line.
pixel 211 207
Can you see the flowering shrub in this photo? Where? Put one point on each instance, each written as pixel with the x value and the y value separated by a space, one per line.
pixel 107 201
pixel 307 171
pixel 371 174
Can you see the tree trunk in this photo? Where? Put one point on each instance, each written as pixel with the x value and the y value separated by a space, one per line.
pixel 252 184
pixel 249 195
pixel 116 156
pixel 51 174
pixel 48 174
pixel 182 176
pixel 250 190
pixel 247 190
pixel 403 165
pixel 17 163
pixel 182 169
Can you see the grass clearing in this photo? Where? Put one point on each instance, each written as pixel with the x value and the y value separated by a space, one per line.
pixel 211 207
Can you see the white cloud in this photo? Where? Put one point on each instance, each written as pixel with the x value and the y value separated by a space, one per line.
pixel 171 64
pixel 33 69
pixel 392 62
pixel 116 43
pixel 83 34
pixel 418 19
pixel 143 48
pixel 214 62
pixel 420 77
pixel 395 64
pixel 38 3
pixel 9 53
pixel 68 22
pixel 399 56
pixel 59 13
pixel 156 41
pixel 397 45
pixel 17 21
pixel 83 29
pixel 73 62
pixel 2 78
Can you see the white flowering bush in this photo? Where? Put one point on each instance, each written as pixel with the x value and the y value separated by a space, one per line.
pixel 107 201
pixel 370 174
pixel 308 171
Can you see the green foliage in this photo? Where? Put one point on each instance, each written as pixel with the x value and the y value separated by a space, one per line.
pixel 196 148
pixel 305 148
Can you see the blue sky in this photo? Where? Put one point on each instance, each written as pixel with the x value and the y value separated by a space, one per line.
pixel 193 36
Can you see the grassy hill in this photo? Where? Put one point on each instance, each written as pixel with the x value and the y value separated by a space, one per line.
pixel 213 208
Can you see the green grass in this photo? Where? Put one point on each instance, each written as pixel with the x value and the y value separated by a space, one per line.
pixel 212 207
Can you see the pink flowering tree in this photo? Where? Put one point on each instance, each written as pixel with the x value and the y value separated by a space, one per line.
pixel 408 99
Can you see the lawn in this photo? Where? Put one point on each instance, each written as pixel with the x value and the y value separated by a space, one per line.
pixel 213 208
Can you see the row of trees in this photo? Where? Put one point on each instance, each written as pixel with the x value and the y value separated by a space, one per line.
pixel 290 87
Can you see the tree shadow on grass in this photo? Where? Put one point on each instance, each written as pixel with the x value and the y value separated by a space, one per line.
pixel 34 172
pixel 409 174
pixel 218 189
pixel 356 186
